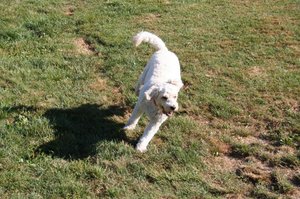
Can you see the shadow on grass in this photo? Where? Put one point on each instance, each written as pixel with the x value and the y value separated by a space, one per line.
pixel 78 130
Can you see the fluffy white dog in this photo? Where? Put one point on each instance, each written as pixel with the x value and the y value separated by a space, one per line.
pixel 157 88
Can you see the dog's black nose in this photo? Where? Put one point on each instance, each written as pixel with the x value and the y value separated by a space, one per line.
pixel 172 108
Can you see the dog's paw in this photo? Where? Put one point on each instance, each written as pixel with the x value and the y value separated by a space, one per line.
pixel 140 148
pixel 129 127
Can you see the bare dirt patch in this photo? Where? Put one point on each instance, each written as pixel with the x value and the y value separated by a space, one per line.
pixel 284 150
pixel 211 73
pixel 226 44
pixel 294 194
pixel 294 105
pixel 295 47
pixel 82 47
pixel 220 146
pixel 234 196
pixel 151 17
pixel 69 10
pixel 201 120
pixel 166 2
pixel 224 163
pixel 255 71
pixel 251 140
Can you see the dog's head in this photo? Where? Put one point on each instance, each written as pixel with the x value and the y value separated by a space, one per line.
pixel 165 96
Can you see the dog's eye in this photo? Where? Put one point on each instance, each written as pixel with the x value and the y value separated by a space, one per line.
pixel 164 98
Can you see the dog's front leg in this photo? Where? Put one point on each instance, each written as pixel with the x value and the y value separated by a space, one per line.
pixel 134 118
pixel 149 132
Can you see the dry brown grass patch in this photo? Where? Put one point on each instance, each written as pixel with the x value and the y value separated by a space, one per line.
pixel 254 173
pixel 226 44
pixel 69 10
pixel 147 19
pixel 220 146
pixel 201 120
pixel 223 163
pixel 82 47
pixel 251 140
pixel 99 84
pixel 274 26
pixel 255 71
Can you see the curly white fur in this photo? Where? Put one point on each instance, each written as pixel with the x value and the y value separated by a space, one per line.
pixel 157 88
pixel 149 38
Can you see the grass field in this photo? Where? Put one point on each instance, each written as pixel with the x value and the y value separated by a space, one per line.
pixel 67 72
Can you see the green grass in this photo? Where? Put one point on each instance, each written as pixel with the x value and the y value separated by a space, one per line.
pixel 63 103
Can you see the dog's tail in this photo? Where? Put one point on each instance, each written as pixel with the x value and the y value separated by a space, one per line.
pixel 150 38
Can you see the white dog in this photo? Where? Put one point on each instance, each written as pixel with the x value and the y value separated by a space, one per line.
pixel 157 88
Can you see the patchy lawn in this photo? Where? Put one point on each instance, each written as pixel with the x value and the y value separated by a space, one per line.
pixel 67 72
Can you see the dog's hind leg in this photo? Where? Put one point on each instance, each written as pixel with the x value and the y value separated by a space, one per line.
pixel 149 132
pixel 134 118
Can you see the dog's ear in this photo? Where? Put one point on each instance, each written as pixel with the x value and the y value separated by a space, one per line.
pixel 151 92
pixel 177 83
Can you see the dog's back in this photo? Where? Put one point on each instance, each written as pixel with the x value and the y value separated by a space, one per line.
pixel 163 66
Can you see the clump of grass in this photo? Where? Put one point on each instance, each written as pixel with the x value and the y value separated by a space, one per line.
pixel 284 132
pixel 261 192
pixel 280 183
pixel 296 179
pixel 241 132
pixel 281 137
pixel 243 150
pixel 288 160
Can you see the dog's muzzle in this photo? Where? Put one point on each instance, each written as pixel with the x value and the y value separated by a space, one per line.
pixel 171 112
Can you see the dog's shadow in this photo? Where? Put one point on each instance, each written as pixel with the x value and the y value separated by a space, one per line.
pixel 78 130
